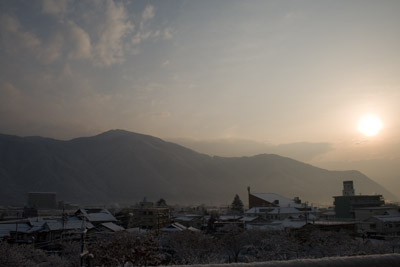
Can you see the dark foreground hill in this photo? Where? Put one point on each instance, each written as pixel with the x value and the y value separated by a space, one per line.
pixel 120 166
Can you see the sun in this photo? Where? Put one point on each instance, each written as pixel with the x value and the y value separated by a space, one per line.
pixel 370 125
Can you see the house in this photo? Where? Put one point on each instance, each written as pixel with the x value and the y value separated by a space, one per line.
pixel 104 229
pixel 363 213
pixel 95 216
pixel 70 228
pixel 387 225
pixel 44 229
pixel 191 220
pixel 281 213
pixel 253 221
pixel 328 214
pixel 272 200
pixel 147 216
pixel 15 231
pixel 177 227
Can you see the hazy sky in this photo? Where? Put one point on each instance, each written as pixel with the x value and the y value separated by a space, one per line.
pixel 269 71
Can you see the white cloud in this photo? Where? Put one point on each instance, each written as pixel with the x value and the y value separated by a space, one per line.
pixel 80 42
pixel 140 36
pixel 148 13
pixel 109 49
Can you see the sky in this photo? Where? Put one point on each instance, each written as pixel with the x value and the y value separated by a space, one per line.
pixel 273 72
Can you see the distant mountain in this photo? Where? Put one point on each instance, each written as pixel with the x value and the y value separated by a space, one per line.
pixel 123 167
pixel 231 147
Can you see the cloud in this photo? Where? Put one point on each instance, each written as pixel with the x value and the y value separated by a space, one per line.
pixel 148 13
pixel 109 49
pixel 101 31
pixel 14 36
pixel 168 34
pixel 53 50
pixel 19 41
pixel 54 7
pixel 80 42
pixel 144 33
pixel 139 37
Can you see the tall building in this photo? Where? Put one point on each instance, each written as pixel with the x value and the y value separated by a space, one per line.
pixel 42 200
pixel 346 204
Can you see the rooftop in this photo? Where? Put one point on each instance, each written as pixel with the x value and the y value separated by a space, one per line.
pixel 272 197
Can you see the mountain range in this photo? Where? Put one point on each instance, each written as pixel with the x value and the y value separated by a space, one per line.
pixel 123 167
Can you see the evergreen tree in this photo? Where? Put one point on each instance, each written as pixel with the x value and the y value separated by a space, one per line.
pixel 161 203
pixel 237 204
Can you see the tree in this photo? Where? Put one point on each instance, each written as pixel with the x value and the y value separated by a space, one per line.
pixel 161 203
pixel 189 248
pixel 237 204
pixel 123 247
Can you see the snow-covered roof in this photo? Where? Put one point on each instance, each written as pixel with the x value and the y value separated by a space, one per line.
pixel 257 210
pixel 40 221
pixel 68 225
pixel 273 198
pixel 113 227
pixel 229 217
pixel 292 224
pixel 272 210
pixel 97 215
pixel 185 219
pixel 177 227
pixel 393 212
pixel 386 218
pixel 174 227
pixel 249 218
pixel 332 223
pixel 285 210
pixel 6 228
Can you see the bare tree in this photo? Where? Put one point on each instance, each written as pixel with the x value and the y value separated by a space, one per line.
pixel 189 247
pixel 123 247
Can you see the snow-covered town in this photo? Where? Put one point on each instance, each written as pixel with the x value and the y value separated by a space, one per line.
pixel 273 227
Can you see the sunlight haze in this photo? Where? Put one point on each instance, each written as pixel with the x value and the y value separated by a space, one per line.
pixel 268 72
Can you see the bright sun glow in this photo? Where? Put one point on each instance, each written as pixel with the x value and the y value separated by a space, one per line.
pixel 370 125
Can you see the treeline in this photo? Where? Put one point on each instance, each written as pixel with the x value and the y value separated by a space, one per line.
pixel 235 245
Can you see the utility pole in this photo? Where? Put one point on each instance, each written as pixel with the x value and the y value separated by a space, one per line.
pixel 84 251
pixel 306 212
pixel 16 231
pixel 64 219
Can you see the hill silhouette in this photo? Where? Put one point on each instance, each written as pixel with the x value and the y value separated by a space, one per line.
pixel 123 167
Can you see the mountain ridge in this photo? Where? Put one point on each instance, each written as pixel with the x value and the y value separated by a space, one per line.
pixel 122 166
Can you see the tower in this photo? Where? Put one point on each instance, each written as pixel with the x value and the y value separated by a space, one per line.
pixel 348 189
